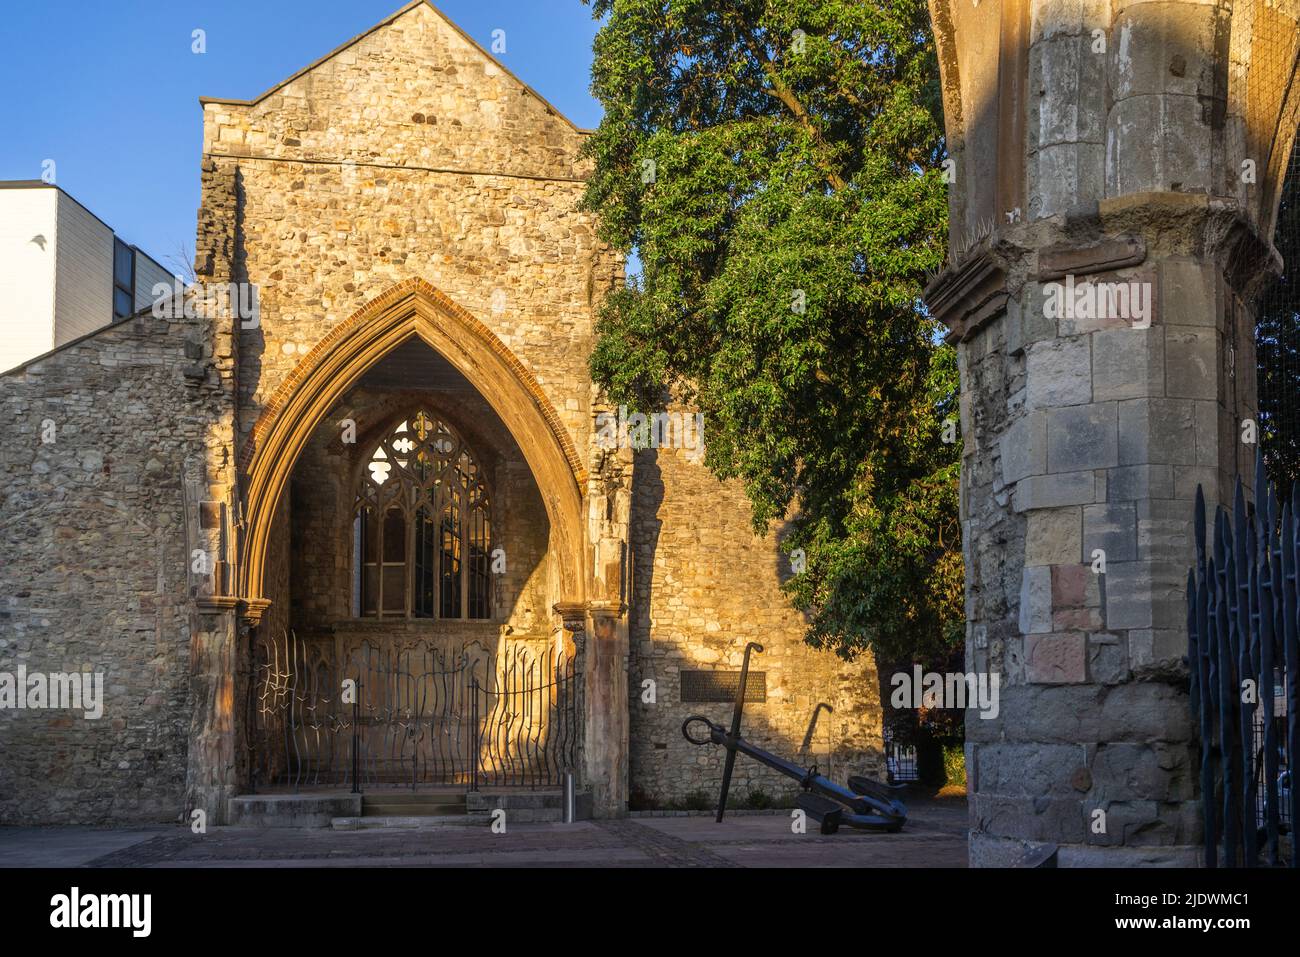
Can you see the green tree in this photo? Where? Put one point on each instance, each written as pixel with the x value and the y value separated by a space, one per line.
pixel 777 167
pixel 1277 342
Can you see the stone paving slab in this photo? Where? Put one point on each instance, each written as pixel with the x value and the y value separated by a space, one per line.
pixel 935 837
pixel 66 846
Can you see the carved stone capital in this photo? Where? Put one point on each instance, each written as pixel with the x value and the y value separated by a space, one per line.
pixel 254 609
pixel 211 604
pixel 573 614
pixel 606 609
pixel 966 297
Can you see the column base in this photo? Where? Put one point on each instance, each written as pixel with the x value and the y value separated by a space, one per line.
pixel 987 850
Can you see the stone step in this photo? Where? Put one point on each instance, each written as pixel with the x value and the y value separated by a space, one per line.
pixel 411 823
pixel 411 810
pixel 413 804
pixel 292 810
pixel 527 807
pixel 518 800
pixel 414 797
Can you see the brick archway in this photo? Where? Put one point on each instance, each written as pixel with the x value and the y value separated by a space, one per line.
pixel 410 309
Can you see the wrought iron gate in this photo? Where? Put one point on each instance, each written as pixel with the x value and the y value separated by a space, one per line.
pixel 1243 623
pixel 381 714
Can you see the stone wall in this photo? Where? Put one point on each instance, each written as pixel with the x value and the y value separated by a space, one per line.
pixel 412 154
pixel 94 575
pixel 1098 453
pixel 703 586
pixel 1099 147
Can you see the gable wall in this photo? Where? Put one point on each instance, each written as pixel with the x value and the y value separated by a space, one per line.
pixel 411 154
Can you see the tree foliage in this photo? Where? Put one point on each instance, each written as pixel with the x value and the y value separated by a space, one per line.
pixel 1277 342
pixel 776 166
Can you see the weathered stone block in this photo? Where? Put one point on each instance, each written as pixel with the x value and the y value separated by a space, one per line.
pixel 1058 820
pixel 1133 482
pixel 1163 48
pixel 1145 595
pixel 1187 478
pixel 1082 437
pixel 1214 429
pixel 1059 373
pixel 1054 18
pixel 1035 325
pixel 1076 619
pixel 1053 537
pixel 1023 447
pixel 1065 171
pixel 1145 712
pixel 1036 600
pixel 1028 770
pixel 1055 65
pixel 1159 649
pixel 1156 431
pixel 1108 305
pixel 1191 362
pixel 1113 529
pixel 1123 818
pixel 1075 586
pixel 1125 771
pixel 1056 658
pixel 1013 328
pixel 1133 155
pixel 1107 659
pixel 1187 294
pixel 1127 363
pixel 1186 144
pixel 1054 491
pixel 1164 530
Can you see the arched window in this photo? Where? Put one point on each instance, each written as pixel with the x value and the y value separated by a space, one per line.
pixel 422 527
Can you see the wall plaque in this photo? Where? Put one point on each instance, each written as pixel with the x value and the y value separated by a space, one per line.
pixel 717 686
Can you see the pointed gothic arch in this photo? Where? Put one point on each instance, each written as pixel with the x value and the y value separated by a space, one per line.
pixel 410 309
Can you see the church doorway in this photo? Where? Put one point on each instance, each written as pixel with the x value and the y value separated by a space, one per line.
pixel 411 574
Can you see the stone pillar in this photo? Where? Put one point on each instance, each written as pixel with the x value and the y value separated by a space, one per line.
pixel 1104 258
pixel 606 716
pixel 211 502
pixel 211 778
pixel 599 637
pixel 606 713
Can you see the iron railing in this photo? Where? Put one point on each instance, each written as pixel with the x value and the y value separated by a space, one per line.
pixel 900 759
pixel 1243 624
pixel 385 714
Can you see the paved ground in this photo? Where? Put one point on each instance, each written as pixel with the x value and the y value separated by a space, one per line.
pixel 935 837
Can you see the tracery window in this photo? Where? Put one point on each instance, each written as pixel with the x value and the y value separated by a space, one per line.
pixel 422 527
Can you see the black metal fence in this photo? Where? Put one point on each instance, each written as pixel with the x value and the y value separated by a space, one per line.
pixel 379 714
pixel 900 759
pixel 1243 624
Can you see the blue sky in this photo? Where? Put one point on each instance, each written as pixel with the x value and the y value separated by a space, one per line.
pixel 110 91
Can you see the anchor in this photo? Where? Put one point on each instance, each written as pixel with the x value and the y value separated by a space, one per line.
pixel 864 804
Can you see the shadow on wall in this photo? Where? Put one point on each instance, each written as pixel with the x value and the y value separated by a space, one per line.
pixel 703 586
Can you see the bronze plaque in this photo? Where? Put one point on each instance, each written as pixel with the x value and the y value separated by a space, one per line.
pixel 718 686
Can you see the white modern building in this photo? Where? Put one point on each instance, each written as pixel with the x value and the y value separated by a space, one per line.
pixel 63 273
